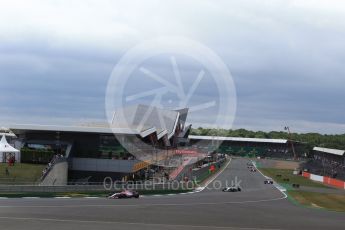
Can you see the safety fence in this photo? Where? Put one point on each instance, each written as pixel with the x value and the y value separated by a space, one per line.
pixel 325 180
pixel 204 172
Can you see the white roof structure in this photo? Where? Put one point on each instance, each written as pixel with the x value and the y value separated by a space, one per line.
pixel 133 120
pixel 240 139
pixel 330 151
pixel 5 147
pixel 64 128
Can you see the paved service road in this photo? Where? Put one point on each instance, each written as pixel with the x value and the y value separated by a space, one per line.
pixel 258 206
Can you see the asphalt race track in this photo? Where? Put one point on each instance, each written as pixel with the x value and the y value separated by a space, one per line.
pixel 258 206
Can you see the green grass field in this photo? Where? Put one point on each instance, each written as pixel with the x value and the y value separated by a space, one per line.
pixel 20 173
pixel 334 202
pixel 288 173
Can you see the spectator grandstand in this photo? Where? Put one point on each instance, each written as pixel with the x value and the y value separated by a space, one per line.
pixel 327 162
pixel 250 147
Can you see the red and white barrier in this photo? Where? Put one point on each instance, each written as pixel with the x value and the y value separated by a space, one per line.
pixel 325 180
pixel 316 178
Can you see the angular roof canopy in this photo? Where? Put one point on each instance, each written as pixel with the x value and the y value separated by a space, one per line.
pixel 140 120
pixel 5 147
pixel 330 151
pixel 65 128
pixel 144 117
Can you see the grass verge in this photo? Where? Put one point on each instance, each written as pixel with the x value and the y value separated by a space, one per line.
pixel 288 174
pixel 334 202
pixel 20 173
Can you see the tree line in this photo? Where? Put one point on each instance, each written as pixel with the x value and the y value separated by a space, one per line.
pixel 311 139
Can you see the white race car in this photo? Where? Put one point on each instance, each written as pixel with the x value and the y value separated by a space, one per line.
pixel 268 181
pixel 124 195
pixel 232 189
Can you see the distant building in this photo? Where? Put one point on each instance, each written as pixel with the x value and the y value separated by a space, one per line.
pixel 252 147
pixel 327 162
pixel 144 136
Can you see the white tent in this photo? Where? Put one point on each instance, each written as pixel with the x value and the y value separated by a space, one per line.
pixel 6 151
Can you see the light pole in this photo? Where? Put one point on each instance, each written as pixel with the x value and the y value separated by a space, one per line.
pixel 290 139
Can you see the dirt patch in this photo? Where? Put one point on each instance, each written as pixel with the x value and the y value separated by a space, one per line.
pixel 278 164
pixel 286 165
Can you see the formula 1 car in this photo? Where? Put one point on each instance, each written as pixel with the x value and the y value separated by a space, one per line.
pixel 232 189
pixel 125 194
pixel 253 169
pixel 268 181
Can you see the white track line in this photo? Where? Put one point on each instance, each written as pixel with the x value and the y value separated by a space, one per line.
pixel 142 205
pixel 128 223
pixel 275 183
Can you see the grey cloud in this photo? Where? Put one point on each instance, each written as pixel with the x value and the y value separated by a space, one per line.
pixel 286 58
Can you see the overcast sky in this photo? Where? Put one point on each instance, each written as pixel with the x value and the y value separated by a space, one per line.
pixel 287 58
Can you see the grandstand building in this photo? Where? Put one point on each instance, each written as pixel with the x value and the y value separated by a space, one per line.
pixel 93 152
pixel 251 147
pixel 327 162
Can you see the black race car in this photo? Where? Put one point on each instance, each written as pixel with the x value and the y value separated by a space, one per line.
pixel 125 194
pixel 232 189
pixel 268 181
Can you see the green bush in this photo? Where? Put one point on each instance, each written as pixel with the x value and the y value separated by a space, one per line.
pixel 37 156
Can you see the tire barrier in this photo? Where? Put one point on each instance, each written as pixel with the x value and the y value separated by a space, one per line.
pixel 295 185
